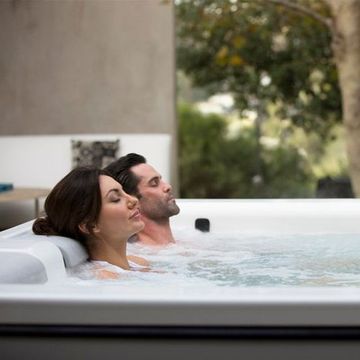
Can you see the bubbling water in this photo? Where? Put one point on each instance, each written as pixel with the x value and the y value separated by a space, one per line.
pixel 238 260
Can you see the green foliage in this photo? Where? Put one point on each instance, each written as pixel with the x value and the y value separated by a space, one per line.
pixel 261 53
pixel 212 165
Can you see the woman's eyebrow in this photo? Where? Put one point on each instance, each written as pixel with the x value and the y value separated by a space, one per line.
pixel 116 190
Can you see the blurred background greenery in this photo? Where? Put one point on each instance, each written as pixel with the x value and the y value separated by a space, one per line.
pixel 259 104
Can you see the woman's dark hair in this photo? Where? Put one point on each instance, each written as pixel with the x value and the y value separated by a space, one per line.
pixel 75 200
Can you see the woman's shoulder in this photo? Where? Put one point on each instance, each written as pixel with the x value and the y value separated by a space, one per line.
pixel 102 270
pixel 98 270
pixel 137 260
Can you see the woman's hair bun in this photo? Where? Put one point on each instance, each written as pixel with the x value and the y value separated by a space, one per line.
pixel 41 226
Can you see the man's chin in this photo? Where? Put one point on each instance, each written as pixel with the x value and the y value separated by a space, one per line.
pixel 174 209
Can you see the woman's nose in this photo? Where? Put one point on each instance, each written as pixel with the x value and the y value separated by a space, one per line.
pixel 132 201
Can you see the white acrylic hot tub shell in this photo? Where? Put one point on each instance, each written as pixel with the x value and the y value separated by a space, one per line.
pixel 59 303
pixel 59 320
pixel 280 216
pixel 69 305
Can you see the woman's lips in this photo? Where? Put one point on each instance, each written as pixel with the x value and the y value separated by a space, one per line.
pixel 135 214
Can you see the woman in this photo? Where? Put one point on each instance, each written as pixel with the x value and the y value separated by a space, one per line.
pixel 91 207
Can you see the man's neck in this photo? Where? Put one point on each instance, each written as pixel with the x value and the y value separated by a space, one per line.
pixel 155 233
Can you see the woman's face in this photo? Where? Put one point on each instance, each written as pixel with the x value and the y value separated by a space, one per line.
pixel 119 216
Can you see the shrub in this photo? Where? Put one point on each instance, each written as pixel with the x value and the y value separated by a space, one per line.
pixel 213 166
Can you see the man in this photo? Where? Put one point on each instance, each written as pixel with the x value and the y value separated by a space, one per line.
pixel 157 202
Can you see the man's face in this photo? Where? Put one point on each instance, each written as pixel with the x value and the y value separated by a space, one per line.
pixel 156 198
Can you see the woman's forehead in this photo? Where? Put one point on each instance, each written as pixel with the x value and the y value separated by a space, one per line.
pixel 107 183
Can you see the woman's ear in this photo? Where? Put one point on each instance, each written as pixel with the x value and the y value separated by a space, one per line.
pixel 84 228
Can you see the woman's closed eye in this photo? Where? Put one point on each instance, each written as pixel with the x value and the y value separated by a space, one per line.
pixel 114 195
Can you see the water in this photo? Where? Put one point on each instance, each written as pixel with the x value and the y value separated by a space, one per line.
pixel 238 260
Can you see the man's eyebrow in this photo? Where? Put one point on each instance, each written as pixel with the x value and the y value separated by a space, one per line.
pixel 156 177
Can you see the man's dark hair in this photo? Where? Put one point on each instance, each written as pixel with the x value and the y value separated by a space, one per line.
pixel 120 170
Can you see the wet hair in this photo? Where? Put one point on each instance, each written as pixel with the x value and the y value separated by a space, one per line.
pixel 75 200
pixel 120 170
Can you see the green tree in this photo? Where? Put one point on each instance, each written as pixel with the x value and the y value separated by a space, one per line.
pixel 280 51
pixel 214 165
pixel 261 53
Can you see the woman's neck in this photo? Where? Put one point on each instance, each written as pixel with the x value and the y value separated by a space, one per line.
pixel 113 252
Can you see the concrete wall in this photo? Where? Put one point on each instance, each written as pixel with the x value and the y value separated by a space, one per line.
pixel 87 66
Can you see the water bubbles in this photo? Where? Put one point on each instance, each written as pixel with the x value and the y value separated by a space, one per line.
pixel 236 260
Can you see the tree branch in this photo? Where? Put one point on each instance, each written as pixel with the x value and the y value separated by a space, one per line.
pixel 304 10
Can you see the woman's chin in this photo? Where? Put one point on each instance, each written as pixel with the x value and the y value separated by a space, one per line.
pixel 139 226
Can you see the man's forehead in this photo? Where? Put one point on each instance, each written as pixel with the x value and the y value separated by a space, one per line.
pixel 144 171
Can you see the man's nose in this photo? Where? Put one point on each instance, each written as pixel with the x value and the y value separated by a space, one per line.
pixel 166 186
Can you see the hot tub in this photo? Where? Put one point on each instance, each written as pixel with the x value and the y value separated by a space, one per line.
pixel 43 315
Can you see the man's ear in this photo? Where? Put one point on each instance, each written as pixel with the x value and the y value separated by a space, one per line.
pixel 95 229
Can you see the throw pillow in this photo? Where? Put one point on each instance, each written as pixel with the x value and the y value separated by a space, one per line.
pixel 94 153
